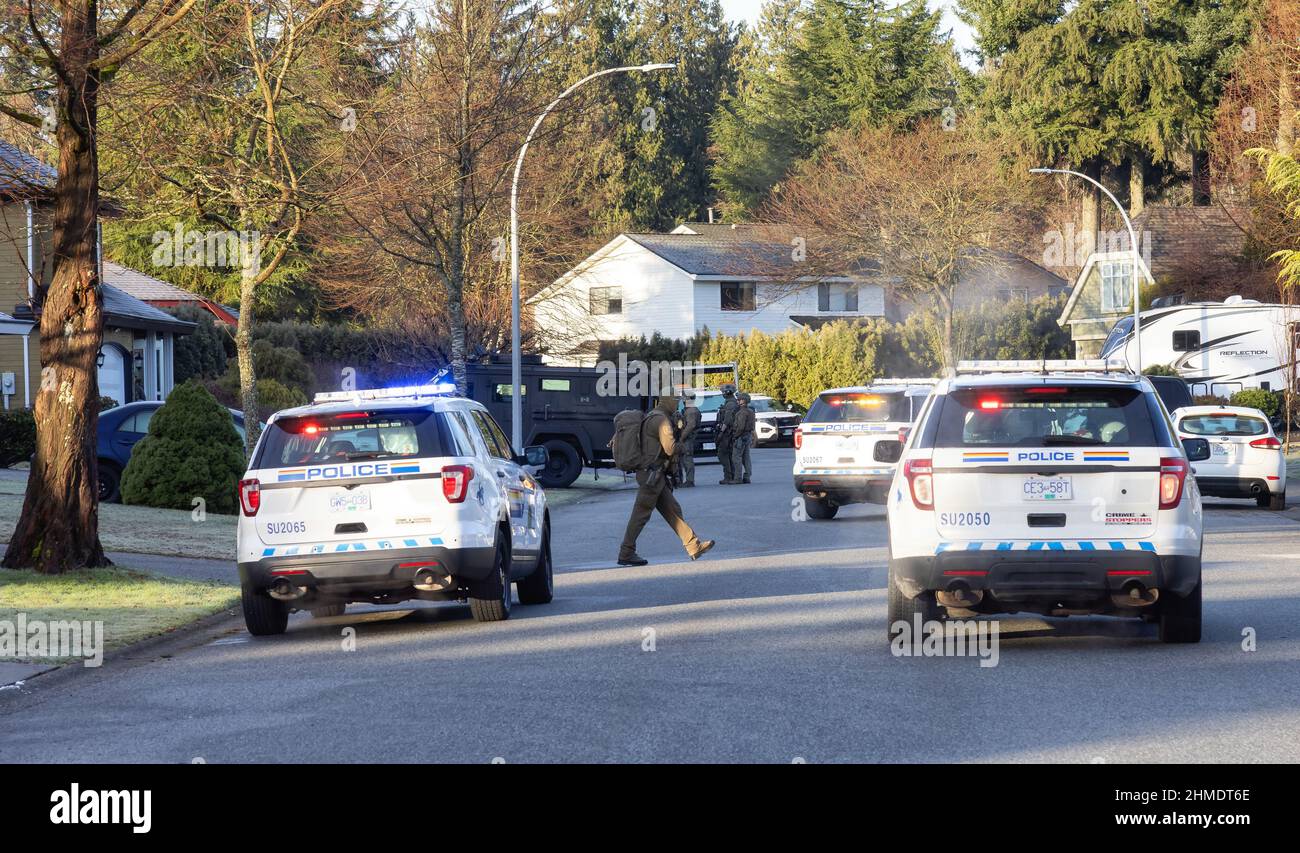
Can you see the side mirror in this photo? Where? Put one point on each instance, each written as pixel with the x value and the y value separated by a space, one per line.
pixel 1197 449
pixel 535 456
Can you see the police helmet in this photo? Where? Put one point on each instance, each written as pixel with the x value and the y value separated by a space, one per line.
pixel 729 389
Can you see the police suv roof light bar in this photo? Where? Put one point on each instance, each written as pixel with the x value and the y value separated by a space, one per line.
pixel 404 392
pixel 1050 365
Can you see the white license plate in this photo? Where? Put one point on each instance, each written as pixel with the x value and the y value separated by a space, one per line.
pixel 1223 450
pixel 708 445
pixel 1038 488
pixel 353 501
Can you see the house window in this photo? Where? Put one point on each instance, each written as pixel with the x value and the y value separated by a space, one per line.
pixel 606 300
pixel 1014 294
pixel 1187 341
pixel 1116 286
pixel 737 296
pixel 837 297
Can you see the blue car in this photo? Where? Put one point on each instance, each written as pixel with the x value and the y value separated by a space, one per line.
pixel 119 430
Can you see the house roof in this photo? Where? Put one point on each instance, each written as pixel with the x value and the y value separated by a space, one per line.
pixel 161 293
pixel 122 310
pixel 13 326
pixel 22 175
pixel 1192 238
pixel 762 252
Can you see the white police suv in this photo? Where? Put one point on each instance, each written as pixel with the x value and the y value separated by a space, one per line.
pixel 385 496
pixel 848 443
pixel 1063 491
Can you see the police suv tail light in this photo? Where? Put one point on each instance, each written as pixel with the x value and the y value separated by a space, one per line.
pixel 798 438
pixel 250 496
pixel 1266 443
pixel 455 482
pixel 920 479
pixel 1173 474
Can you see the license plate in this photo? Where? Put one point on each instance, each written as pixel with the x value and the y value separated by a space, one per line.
pixel 353 501
pixel 708 445
pixel 787 431
pixel 1038 488
pixel 1221 449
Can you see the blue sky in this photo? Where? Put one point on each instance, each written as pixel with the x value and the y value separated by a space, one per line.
pixel 747 10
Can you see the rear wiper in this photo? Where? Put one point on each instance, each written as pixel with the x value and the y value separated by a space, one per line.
pixel 1069 439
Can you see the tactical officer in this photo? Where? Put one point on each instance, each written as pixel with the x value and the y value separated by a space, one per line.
pixel 690 423
pixel 654 489
pixel 742 438
pixel 723 432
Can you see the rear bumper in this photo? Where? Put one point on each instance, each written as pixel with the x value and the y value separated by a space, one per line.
pixel 1080 577
pixel 1238 487
pixel 845 488
pixel 367 572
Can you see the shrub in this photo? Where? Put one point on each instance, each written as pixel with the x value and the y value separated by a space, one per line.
pixel 192 451
pixel 1159 370
pixel 1208 400
pixel 203 353
pixel 1267 402
pixel 17 436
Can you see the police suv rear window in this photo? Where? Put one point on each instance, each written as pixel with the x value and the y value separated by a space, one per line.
pixel 1223 423
pixel 856 406
pixel 1046 416
pixel 351 436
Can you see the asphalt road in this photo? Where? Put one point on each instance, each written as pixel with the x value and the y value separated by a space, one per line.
pixel 771 648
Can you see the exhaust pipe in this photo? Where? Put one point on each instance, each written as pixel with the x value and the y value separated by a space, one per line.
pixel 960 595
pixel 282 590
pixel 427 580
pixel 1134 594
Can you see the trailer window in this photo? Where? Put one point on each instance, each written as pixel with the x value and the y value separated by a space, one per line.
pixel 555 385
pixel 1186 340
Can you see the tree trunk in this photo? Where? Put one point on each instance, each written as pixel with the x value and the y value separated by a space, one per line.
pixel 1089 212
pixel 1286 111
pixel 1137 185
pixel 1200 178
pixel 59 526
pixel 244 352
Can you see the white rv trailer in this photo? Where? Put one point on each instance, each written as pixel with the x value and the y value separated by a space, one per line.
pixel 1219 348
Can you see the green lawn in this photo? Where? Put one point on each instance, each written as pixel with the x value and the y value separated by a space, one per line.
pixel 141 529
pixel 132 605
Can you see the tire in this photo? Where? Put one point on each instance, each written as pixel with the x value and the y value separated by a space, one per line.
pixel 328 610
pixel 490 599
pixel 263 615
pixel 900 608
pixel 1277 503
pixel 563 467
pixel 820 509
pixel 1180 617
pixel 539 587
pixel 110 483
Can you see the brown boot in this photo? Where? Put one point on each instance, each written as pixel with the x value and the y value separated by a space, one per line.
pixel 705 547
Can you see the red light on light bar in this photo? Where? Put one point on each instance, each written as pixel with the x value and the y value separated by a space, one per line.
pixel 1137 573
pixel 310 429
pixel 965 573
pixel 989 404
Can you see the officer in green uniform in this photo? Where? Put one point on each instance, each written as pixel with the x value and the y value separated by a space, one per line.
pixel 742 438
pixel 654 489
pixel 690 423
pixel 723 434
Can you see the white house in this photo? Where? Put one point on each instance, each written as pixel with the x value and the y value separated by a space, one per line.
pixel 728 279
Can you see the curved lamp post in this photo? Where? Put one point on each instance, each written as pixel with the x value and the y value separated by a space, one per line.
pixel 1133 244
pixel 516 403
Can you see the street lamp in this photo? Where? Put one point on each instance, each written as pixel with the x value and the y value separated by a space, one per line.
pixel 1132 242
pixel 516 403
